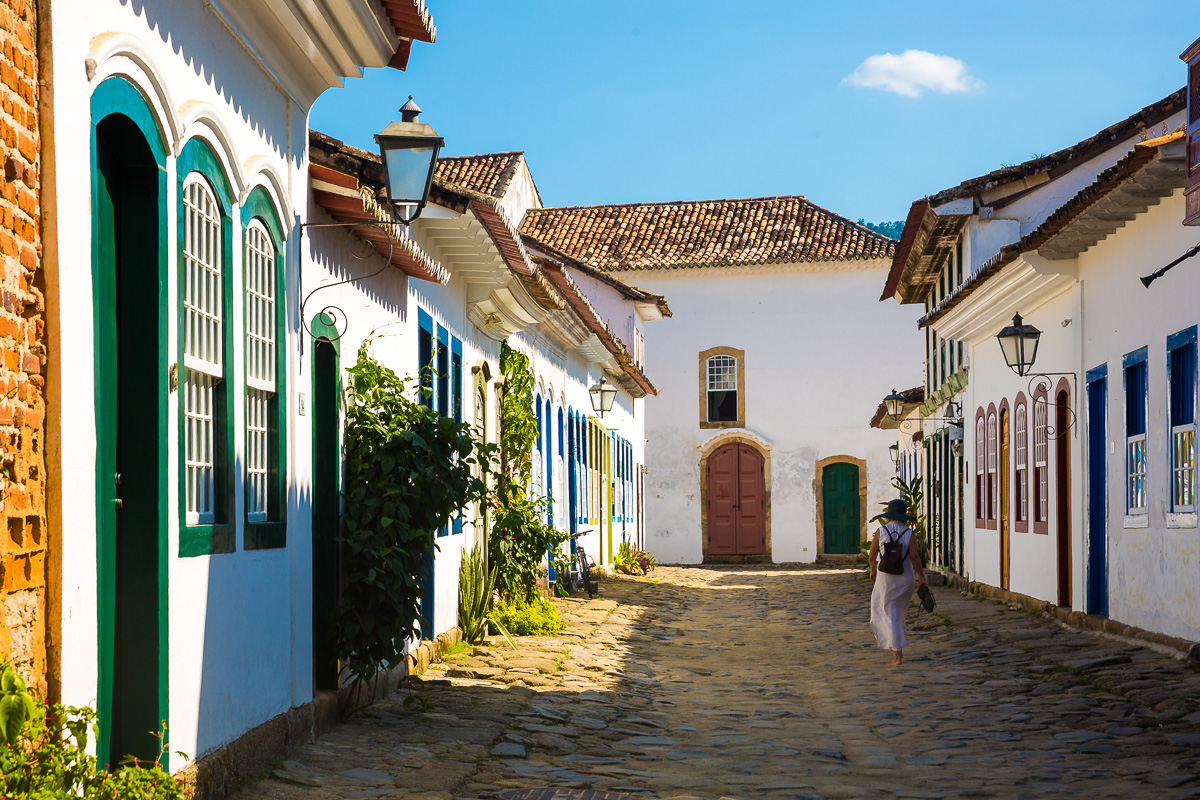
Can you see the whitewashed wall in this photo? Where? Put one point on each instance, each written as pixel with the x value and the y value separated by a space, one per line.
pixel 1033 556
pixel 1152 570
pixel 821 352
pixel 229 670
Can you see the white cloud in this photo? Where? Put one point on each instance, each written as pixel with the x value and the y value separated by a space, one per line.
pixel 913 72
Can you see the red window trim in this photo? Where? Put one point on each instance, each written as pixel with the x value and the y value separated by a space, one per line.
pixel 980 474
pixel 1035 506
pixel 993 491
pixel 1020 484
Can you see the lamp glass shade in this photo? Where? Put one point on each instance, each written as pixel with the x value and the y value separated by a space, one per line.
pixel 894 450
pixel 409 163
pixel 602 394
pixel 1019 343
pixel 894 403
pixel 956 440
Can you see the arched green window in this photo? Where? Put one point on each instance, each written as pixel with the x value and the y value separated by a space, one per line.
pixel 205 345
pixel 264 459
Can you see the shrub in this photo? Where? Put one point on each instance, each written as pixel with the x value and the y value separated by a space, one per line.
pixel 43 754
pixel 633 561
pixel 407 470
pixel 537 617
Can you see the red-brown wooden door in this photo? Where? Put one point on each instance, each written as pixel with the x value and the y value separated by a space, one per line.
pixel 736 502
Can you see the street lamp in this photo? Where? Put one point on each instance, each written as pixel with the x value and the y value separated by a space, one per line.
pixel 894 449
pixel 409 149
pixel 895 404
pixel 603 394
pixel 1019 343
pixel 956 440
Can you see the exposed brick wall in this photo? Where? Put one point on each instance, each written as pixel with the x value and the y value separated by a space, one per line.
pixel 22 350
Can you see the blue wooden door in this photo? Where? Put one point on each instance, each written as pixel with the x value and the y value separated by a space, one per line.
pixel 1097 483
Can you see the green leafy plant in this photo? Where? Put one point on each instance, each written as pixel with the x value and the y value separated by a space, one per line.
pixel 43 754
pixel 476 597
pixel 520 538
pixel 407 470
pixel 536 617
pixel 633 561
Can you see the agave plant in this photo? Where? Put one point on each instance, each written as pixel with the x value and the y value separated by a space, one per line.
pixel 476 593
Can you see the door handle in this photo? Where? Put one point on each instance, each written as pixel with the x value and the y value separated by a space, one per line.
pixel 119 503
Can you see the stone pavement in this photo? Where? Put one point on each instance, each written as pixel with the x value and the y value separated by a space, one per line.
pixel 764 682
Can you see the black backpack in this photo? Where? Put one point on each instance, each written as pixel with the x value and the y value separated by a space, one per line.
pixel 892 559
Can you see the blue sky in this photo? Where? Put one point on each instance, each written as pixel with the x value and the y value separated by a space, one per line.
pixel 622 101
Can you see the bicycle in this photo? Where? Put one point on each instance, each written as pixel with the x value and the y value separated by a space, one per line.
pixel 580 576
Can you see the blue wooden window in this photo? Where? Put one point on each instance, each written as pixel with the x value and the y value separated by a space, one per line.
pixel 456 391
pixel 443 371
pixel 1135 431
pixel 425 357
pixel 1181 379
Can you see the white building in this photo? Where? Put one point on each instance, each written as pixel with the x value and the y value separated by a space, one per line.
pixel 178 485
pixel 463 283
pixel 998 511
pixel 1102 458
pixel 774 358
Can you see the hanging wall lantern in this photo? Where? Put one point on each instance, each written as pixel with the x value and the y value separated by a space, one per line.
pixel 1019 343
pixel 603 394
pixel 410 150
pixel 956 440
pixel 894 450
pixel 894 403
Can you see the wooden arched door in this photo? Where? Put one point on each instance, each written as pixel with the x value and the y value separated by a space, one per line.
pixel 736 497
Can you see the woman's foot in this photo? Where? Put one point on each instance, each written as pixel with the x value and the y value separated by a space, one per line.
pixel 897 659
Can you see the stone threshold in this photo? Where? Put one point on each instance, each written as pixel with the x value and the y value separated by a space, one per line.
pixel 1076 619
pixel 247 758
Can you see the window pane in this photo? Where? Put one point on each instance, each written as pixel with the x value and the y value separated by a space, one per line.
pixel 722 373
pixel 198 448
pixel 202 278
pixel 1183 385
pixel 1135 399
pixel 258 404
pixel 259 273
pixel 1183 469
pixel 722 406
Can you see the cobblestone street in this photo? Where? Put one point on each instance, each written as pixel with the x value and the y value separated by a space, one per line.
pixel 765 682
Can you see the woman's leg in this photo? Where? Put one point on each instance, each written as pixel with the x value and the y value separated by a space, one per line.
pixel 897 658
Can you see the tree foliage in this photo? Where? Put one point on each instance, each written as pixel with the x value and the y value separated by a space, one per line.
pixel 407 470
pixel 520 537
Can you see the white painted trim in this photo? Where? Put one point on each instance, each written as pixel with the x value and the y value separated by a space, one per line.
pixel 120 54
pixel 733 434
pixel 1181 520
pixel 1136 521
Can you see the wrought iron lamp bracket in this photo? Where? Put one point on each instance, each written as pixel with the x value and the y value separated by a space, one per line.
pixel 361 249
pixel 1040 382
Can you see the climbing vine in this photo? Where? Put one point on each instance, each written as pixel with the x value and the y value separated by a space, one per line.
pixel 407 470
pixel 520 538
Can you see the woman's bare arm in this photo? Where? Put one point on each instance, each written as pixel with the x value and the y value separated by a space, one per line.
pixel 873 556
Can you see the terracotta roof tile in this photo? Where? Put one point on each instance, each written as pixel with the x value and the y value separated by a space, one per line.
pixel 485 174
pixel 705 233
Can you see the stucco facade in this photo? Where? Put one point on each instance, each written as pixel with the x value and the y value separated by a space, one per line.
pixel 818 353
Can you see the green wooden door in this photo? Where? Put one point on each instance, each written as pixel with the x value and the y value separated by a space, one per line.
pixel 131 415
pixel 326 511
pixel 842 524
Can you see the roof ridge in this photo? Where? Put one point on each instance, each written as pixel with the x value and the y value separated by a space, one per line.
pixel 484 155
pixel 685 202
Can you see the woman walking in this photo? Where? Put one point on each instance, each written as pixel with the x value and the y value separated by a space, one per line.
pixel 893 590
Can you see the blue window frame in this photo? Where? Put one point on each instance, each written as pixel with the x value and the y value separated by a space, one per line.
pixel 1181 397
pixel 425 357
pixel 1134 365
pixel 456 391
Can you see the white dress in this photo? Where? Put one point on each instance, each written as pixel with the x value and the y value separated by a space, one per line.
pixel 889 598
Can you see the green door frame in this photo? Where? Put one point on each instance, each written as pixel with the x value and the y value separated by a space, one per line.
pixel 118 97
pixel 326 504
